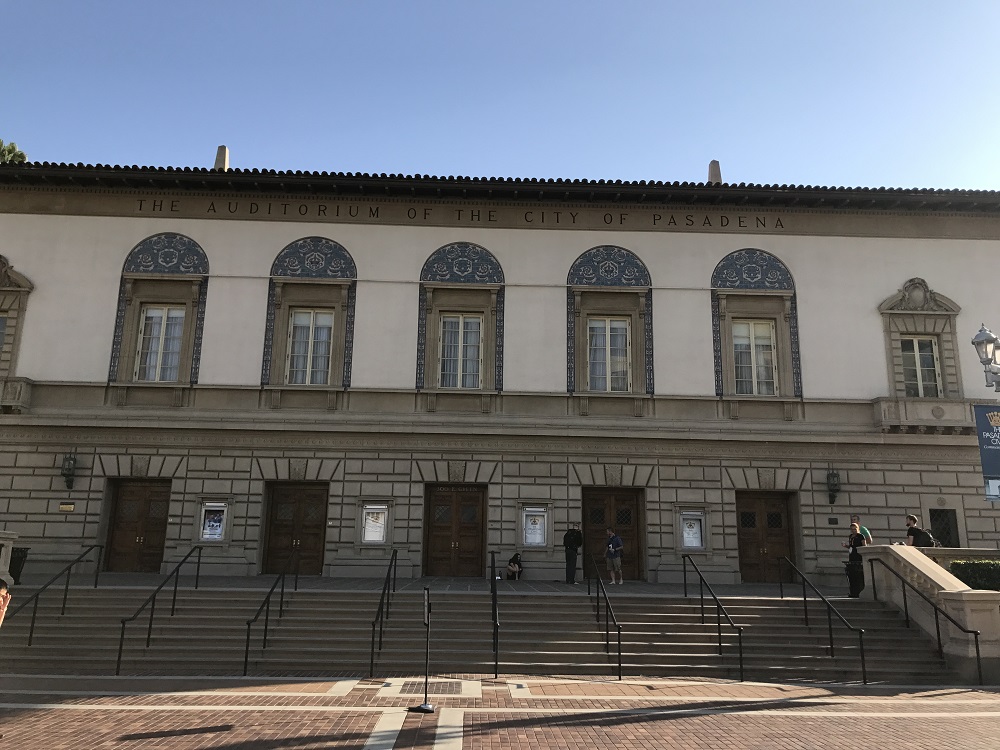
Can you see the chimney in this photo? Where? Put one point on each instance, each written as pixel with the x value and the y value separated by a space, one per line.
pixel 714 172
pixel 222 159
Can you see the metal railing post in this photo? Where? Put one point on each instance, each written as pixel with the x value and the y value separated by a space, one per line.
pixel 97 567
pixel 149 631
pixel 829 625
pixel 66 591
pixel 619 652
pixel 246 651
pixel 979 660
pixel 34 616
pixel 718 625
pixel 267 621
pixel 197 570
pixel 684 563
pixel 173 601
pixel 805 602
pixel 864 664
pixel 739 636
pixel 121 648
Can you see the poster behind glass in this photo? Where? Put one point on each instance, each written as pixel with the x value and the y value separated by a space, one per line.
pixel 534 528
pixel 213 522
pixel 691 531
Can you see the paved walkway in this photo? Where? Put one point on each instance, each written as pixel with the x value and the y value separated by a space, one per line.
pixel 58 713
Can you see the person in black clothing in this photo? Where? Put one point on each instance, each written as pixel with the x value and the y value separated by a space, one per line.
pixel 916 536
pixel 514 567
pixel 855 564
pixel 572 541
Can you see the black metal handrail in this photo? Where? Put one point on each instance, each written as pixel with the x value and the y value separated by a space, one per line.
pixel 609 613
pixel 830 611
pixel 937 612
pixel 265 606
pixel 720 610
pixel 496 614
pixel 66 571
pixel 383 609
pixel 151 603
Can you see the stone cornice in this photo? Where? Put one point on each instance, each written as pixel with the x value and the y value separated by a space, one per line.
pixel 902 449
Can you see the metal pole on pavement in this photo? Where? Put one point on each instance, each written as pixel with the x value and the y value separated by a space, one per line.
pixel 426 707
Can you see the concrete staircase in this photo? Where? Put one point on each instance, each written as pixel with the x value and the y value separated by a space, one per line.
pixel 664 637
pixel 328 633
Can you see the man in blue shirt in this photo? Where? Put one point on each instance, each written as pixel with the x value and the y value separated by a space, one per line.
pixel 614 556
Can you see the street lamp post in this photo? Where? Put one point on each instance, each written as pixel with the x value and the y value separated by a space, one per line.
pixel 986 347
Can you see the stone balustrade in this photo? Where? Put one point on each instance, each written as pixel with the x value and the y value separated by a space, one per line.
pixel 926 570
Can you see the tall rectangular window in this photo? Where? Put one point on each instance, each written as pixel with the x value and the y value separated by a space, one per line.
pixel 160 335
pixel 753 357
pixel 461 351
pixel 3 331
pixel 310 333
pixel 921 372
pixel 609 359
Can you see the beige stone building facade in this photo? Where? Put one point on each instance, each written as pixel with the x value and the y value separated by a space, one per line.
pixel 338 365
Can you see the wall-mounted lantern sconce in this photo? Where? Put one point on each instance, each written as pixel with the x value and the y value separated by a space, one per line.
pixel 833 484
pixel 68 469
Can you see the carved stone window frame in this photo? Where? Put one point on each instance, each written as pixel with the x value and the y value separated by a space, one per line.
pixel 311 272
pixel 754 284
pixel 465 279
pixel 609 281
pixel 14 291
pixel 918 311
pixel 164 269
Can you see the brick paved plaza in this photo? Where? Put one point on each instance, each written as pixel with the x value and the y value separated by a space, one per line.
pixel 53 713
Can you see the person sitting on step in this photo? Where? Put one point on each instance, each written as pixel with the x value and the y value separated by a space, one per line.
pixel 514 567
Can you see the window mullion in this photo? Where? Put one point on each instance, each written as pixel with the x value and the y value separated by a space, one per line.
pixel 158 371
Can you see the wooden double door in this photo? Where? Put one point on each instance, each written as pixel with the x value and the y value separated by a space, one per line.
pixel 763 529
pixel 455 531
pixel 296 522
pixel 138 526
pixel 619 509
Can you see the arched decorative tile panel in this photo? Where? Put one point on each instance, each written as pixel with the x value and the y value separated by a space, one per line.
pixel 460 263
pixel 312 258
pixel 608 266
pixel 167 254
pixel 755 270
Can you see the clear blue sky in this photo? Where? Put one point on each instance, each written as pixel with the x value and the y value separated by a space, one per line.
pixel 900 93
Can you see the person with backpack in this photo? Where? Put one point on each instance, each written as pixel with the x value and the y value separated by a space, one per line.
pixel 916 536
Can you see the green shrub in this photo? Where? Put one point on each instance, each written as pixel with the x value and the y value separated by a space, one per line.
pixel 977 574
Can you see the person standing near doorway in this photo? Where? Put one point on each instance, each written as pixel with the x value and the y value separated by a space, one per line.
pixel 614 556
pixel 572 541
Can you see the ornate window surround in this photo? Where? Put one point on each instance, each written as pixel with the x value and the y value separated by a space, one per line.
pixel 609 279
pixel 14 291
pixel 461 277
pixel 163 268
pixel 753 283
pixel 916 310
pixel 311 272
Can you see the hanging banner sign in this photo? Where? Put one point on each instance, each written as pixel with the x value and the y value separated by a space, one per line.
pixel 988 434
